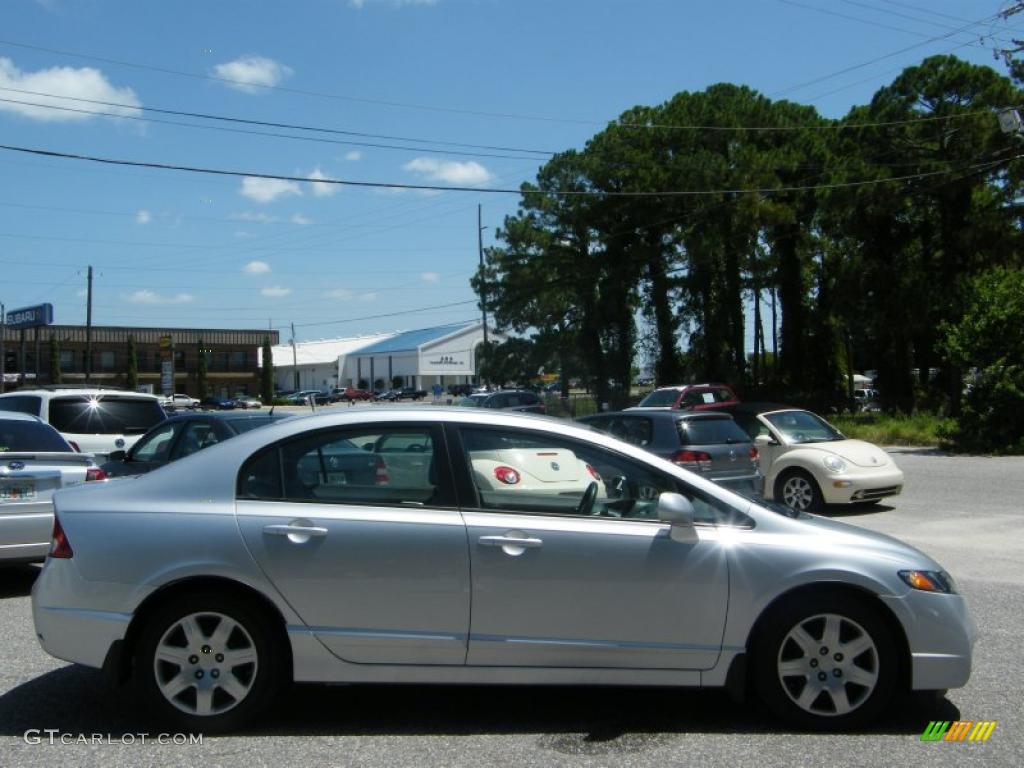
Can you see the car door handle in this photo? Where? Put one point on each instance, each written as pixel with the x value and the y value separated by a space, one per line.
pixel 510 541
pixel 295 530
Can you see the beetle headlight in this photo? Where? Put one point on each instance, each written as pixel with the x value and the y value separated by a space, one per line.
pixel 834 464
pixel 929 581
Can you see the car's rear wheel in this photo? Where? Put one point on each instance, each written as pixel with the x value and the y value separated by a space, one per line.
pixel 208 663
pixel 798 490
pixel 826 662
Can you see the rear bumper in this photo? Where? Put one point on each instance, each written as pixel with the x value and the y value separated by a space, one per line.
pixel 25 534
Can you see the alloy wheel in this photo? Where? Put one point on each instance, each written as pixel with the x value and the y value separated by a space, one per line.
pixel 205 664
pixel 828 665
pixel 797 493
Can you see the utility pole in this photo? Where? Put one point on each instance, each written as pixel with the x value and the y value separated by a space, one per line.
pixel 483 284
pixel 295 361
pixel 88 329
pixel 3 353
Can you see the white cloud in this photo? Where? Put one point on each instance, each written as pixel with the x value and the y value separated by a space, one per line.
pixel 143 217
pixel 84 83
pixel 320 189
pixel 256 268
pixel 302 221
pixel 275 292
pixel 248 73
pixel 354 155
pixel 469 173
pixel 260 216
pixel 146 296
pixel 369 296
pixel 339 293
pixel 267 190
pixel 430 277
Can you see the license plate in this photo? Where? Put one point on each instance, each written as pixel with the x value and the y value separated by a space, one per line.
pixel 20 492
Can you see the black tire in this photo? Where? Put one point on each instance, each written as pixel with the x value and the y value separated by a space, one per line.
pixel 262 679
pixel 855 619
pixel 812 499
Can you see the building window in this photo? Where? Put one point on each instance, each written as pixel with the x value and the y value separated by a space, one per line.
pixel 107 360
pixel 239 360
pixel 179 361
pixel 67 360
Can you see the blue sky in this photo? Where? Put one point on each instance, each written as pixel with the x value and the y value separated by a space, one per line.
pixel 173 249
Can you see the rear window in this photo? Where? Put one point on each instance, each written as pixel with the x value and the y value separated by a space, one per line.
pixel 660 398
pixel 710 431
pixel 706 397
pixel 20 403
pixel 104 415
pixel 18 436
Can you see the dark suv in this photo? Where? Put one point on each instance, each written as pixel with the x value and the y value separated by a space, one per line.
pixel 705 443
pixel 690 397
pixel 507 400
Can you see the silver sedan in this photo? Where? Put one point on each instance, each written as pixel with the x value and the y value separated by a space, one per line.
pixel 351 546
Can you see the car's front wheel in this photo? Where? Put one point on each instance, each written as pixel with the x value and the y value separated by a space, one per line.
pixel 798 490
pixel 826 662
pixel 208 663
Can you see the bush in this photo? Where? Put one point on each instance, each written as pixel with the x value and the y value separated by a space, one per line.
pixel 919 429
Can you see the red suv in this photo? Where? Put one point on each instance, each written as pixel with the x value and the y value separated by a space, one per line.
pixel 690 397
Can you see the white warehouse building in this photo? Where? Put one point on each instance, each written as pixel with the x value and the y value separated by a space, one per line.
pixel 421 358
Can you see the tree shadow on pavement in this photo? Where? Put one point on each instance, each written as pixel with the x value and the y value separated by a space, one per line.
pixel 17 580
pixel 78 700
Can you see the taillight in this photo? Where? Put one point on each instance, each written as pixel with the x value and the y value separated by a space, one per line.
pixel 94 473
pixel 74 445
pixel 755 457
pixel 507 475
pixel 692 459
pixel 593 473
pixel 61 547
pixel 381 476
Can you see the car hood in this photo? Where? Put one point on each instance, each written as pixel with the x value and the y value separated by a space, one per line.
pixel 846 535
pixel 856 452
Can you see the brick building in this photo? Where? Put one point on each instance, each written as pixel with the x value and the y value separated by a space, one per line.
pixel 232 356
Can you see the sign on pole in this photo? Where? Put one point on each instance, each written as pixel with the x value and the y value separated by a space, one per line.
pixel 166 365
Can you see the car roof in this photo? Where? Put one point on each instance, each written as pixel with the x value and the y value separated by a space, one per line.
pixel 85 391
pixel 663 413
pixel 681 387
pixel 755 408
pixel 19 416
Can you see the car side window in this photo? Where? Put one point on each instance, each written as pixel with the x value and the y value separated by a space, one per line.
pixel 635 430
pixel 21 403
pixel 157 446
pixel 394 466
pixel 195 436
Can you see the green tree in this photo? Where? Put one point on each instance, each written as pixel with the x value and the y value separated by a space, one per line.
pixel 202 384
pixel 132 376
pixel 267 372
pixel 990 339
pixel 55 372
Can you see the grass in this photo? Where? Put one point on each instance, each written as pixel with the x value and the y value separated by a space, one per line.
pixel 883 429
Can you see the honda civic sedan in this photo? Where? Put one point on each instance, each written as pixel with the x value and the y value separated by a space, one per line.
pixel 482 548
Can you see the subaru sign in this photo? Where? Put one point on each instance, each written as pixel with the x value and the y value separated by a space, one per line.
pixel 30 317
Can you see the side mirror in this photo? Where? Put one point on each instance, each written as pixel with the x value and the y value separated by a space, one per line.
pixel 762 440
pixel 116 455
pixel 675 509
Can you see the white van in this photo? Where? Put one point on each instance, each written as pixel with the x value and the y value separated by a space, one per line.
pixel 93 420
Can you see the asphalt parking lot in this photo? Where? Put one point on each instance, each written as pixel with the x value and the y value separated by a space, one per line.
pixel 965 511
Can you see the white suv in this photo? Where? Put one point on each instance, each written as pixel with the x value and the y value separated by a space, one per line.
pixel 96 420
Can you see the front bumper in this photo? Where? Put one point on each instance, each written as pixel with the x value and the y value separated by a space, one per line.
pixel 940 633
pixel 850 488
pixel 75 620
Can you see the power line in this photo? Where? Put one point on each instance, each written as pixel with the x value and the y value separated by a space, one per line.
pixel 455 188
pixel 389 314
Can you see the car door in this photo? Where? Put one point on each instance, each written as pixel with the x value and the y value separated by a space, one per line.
pixel 558 585
pixel 372 555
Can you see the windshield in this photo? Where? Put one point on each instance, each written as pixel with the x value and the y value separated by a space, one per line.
pixel 104 414
pixel 659 398
pixel 803 427
pixel 18 436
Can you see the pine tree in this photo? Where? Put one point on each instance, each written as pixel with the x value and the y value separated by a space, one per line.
pixel 55 375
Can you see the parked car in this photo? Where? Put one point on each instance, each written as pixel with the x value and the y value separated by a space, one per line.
pixel 244 401
pixel 408 393
pixel 690 397
pixel 506 400
pixel 711 444
pixel 226 575
pixel 178 402
pixel 302 397
pixel 217 403
pixel 350 394
pixel 808 463
pixel 182 436
pixel 35 462
pixel 92 420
